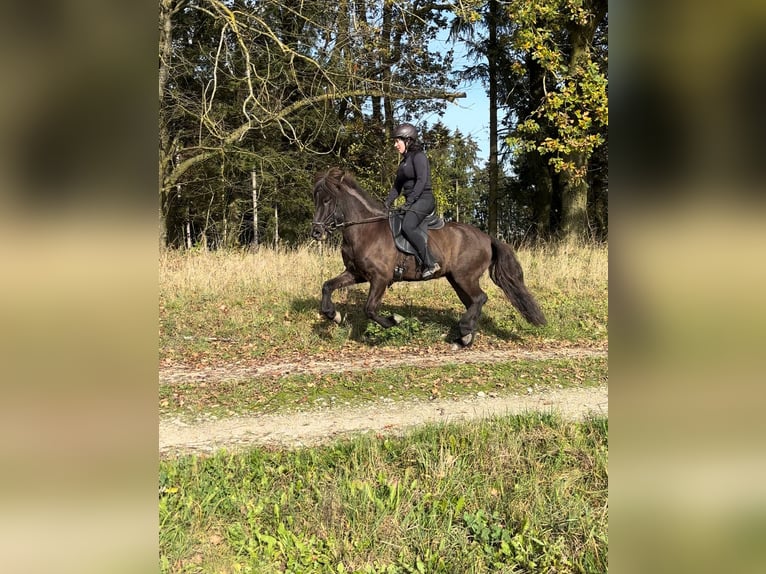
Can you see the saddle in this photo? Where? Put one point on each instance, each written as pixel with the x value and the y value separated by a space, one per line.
pixel 395 218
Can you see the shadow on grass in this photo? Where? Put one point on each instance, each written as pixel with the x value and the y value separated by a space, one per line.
pixel 352 311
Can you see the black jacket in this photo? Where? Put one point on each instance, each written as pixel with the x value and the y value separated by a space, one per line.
pixel 413 178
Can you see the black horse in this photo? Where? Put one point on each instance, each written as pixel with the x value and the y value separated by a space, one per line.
pixel 370 255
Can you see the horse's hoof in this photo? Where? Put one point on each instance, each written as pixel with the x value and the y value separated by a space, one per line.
pixel 338 319
pixel 467 339
pixel 397 318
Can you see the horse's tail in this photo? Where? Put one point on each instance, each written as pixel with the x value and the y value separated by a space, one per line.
pixel 505 270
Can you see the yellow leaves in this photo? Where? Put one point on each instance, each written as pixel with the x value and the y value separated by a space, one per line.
pixel 468 11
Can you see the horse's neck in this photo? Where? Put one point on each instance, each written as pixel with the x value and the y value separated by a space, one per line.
pixel 358 206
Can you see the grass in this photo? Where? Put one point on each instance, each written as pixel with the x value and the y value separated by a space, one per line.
pixel 512 494
pixel 228 306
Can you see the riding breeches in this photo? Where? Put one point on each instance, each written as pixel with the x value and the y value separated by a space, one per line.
pixel 413 217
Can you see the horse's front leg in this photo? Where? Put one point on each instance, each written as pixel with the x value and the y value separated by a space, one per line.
pixel 378 287
pixel 328 308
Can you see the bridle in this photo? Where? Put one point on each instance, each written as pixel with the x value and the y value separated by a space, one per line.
pixel 330 223
pixel 335 220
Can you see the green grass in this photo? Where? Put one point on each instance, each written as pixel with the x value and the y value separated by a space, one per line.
pixel 300 392
pixel 512 494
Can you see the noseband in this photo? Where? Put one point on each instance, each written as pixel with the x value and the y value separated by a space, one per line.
pixel 331 222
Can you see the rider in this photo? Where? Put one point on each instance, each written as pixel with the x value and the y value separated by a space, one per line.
pixel 413 179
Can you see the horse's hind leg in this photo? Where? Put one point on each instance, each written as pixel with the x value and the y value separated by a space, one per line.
pixel 473 298
pixel 345 279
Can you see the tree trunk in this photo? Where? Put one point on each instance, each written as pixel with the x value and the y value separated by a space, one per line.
pixel 254 181
pixel 386 125
pixel 574 203
pixel 457 202
pixel 187 223
pixel 541 206
pixel 492 49
pixel 162 207
pixel 166 38
pixel 574 190
pixel 276 228
pixel 539 170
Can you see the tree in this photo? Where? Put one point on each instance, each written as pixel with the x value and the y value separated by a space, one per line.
pixel 469 18
pixel 565 118
pixel 288 88
pixel 453 159
pixel 239 76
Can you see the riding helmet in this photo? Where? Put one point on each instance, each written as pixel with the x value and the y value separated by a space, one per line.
pixel 406 131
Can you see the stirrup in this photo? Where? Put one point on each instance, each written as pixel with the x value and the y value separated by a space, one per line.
pixel 431 271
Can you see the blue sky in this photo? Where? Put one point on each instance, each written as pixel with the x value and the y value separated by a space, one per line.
pixel 469 114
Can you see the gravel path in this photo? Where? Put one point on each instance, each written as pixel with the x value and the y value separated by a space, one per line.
pixel 385 416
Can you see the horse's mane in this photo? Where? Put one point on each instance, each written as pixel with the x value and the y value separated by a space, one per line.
pixel 333 178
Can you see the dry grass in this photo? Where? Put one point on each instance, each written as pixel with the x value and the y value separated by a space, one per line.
pixel 294 272
pixel 230 305
pixel 300 272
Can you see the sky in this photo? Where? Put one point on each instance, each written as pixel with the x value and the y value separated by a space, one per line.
pixel 469 114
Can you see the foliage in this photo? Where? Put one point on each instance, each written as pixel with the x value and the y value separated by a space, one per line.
pixel 559 119
pixel 503 546
pixel 454 172
pixel 573 112
pixel 550 62
pixel 256 97
pixel 401 333
pixel 283 89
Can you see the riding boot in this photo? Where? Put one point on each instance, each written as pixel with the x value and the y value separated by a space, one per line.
pixel 430 267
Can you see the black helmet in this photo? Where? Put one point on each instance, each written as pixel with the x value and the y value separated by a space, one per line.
pixel 406 131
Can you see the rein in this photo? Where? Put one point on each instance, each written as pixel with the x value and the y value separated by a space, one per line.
pixel 368 220
pixel 373 219
pixel 330 223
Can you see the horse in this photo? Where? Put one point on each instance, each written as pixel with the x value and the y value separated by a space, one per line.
pixel 369 253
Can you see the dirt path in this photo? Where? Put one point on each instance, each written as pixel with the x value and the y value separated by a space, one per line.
pixel 385 416
pixel 372 359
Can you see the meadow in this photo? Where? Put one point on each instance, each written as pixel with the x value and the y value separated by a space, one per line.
pixel 525 493
pixel 225 306
pixel 514 494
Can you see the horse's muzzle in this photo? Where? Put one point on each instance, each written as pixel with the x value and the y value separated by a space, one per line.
pixel 318 232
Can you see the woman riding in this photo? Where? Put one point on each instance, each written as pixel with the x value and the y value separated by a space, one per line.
pixel 413 180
